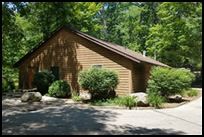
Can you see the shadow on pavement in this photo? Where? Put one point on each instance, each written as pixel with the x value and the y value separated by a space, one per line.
pixel 68 121
pixel 131 130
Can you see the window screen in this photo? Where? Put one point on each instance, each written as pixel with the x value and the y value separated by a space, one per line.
pixel 97 66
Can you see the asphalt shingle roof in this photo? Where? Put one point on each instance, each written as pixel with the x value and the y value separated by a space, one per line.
pixel 134 56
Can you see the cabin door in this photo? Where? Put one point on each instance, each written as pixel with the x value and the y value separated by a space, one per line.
pixel 55 72
pixel 31 73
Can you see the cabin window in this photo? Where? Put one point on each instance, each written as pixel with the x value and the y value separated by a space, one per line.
pixel 97 66
pixel 55 72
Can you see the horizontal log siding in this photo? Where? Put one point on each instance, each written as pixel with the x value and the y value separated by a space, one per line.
pixel 140 75
pixel 73 54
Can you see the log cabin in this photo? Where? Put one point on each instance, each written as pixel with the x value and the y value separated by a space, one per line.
pixel 67 51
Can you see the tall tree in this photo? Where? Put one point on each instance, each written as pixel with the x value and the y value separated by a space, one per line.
pixel 11 35
pixel 178 39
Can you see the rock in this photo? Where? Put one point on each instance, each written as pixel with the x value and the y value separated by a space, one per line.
pixel 85 95
pixel 178 98
pixel 140 98
pixel 31 97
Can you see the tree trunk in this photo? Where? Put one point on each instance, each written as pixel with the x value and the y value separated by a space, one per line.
pixel 104 21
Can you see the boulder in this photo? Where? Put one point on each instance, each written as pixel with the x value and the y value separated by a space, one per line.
pixel 178 98
pixel 140 98
pixel 85 95
pixel 31 97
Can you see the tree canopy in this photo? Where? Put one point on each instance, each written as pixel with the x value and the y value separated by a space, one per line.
pixel 170 32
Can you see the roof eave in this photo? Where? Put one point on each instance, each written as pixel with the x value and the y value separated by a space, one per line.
pixel 162 65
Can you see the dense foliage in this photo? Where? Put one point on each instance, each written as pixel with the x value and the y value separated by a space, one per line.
pixel 169 81
pixel 7 86
pixel 164 82
pixel 99 82
pixel 59 88
pixel 42 80
pixel 170 32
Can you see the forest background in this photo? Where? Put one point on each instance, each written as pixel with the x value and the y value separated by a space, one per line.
pixel 170 32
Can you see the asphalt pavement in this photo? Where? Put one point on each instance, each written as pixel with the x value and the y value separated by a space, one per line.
pixel 79 119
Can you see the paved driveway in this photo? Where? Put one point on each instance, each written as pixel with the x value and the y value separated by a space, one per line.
pixel 76 119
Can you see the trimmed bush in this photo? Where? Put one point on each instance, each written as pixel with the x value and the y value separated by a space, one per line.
pixel 42 80
pixel 99 82
pixel 169 81
pixel 59 88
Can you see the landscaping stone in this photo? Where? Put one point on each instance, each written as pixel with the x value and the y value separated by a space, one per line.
pixel 178 98
pixel 85 95
pixel 31 97
pixel 140 98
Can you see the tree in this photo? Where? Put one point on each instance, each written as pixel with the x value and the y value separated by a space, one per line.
pixel 11 35
pixel 178 39
pixel 24 24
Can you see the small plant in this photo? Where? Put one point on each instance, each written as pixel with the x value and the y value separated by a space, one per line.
pixel 42 80
pixel 75 96
pixel 192 92
pixel 127 101
pixel 59 88
pixel 155 99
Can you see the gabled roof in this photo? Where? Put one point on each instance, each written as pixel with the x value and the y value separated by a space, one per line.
pixel 136 57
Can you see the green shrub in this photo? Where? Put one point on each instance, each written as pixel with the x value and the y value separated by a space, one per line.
pixel 48 95
pixel 169 81
pixel 197 83
pixel 59 88
pixel 99 82
pixel 155 99
pixel 75 96
pixel 192 92
pixel 127 101
pixel 7 85
pixel 42 80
